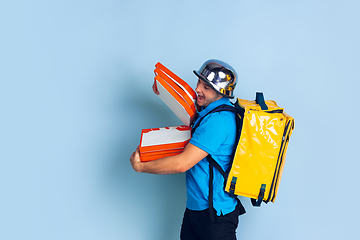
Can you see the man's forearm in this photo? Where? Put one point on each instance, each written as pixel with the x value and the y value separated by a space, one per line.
pixel 169 165
pixel 166 165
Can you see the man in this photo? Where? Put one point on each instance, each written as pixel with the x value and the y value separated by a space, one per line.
pixel 215 135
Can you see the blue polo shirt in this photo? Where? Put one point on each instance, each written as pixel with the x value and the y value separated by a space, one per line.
pixel 216 135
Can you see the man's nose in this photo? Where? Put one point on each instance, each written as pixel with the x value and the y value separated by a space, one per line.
pixel 198 89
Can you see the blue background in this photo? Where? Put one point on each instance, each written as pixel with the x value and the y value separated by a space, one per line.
pixel 75 93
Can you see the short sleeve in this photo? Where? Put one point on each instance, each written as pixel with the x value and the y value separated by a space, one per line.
pixel 211 133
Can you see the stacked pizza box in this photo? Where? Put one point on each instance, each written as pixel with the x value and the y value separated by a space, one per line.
pixel 157 143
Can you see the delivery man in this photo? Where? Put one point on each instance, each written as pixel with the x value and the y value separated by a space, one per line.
pixel 215 135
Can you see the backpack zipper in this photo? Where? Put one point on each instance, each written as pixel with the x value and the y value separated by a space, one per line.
pixel 279 162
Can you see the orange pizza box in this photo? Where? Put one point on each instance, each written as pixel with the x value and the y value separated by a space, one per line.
pixel 156 143
pixel 165 148
pixel 151 157
pixel 177 90
pixel 167 151
pixel 190 92
pixel 174 101
pixel 176 93
pixel 173 79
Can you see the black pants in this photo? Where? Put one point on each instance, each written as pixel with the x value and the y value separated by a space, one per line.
pixel 197 226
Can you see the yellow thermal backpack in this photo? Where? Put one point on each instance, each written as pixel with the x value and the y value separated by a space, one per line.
pixel 264 130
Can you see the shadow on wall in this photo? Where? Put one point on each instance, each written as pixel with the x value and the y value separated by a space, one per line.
pixel 155 203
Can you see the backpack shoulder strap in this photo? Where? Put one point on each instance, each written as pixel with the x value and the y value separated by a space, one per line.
pixel 220 108
pixel 212 162
pixel 216 165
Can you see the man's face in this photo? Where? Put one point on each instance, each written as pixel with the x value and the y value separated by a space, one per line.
pixel 205 94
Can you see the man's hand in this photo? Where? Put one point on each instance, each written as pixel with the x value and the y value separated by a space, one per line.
pixel 135 160
pixel 154 87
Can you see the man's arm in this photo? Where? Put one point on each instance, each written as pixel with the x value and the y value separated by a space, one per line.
pixel 168 165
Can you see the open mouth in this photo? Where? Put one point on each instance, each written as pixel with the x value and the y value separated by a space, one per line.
pixel 199 98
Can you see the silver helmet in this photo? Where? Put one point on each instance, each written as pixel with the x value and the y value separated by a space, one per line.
pixel 219 75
